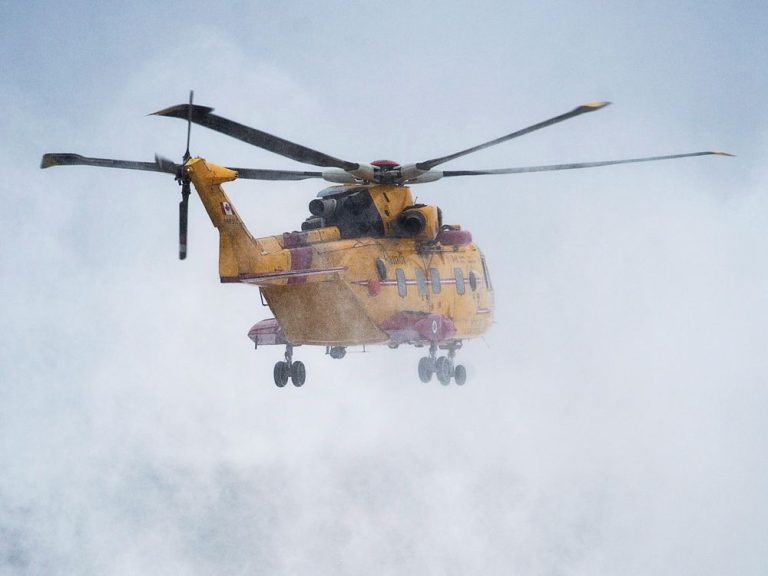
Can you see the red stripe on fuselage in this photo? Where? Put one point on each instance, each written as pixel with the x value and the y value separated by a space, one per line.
pixel 301 259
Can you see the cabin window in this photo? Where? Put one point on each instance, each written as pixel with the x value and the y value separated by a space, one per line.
pixel 434 276
pixel 421 282
pixel 381 269
pixel 459 275
pixel 402 287
pixel 486 275
pixel 472 280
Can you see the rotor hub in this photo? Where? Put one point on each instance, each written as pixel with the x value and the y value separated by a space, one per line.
pixel 385 164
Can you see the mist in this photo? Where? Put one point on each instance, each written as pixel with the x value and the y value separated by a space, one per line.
pixel 613 418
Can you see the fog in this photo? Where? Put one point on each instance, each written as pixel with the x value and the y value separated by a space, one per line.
pixel 613 419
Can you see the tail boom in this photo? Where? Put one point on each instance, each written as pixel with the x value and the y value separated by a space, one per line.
pixel 240 254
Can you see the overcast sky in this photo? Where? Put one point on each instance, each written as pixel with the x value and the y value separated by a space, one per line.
pixel 614 417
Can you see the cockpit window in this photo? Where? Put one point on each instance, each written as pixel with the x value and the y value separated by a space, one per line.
pixel 486 275
pixel 421 282
pixel 381 269
pixel 459 275
pixel 402 287
pixel 434 276
pixel 472 280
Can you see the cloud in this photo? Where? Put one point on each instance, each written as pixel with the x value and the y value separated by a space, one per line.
pixel 613 418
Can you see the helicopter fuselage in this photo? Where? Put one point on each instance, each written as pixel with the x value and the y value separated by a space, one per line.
pixel 326 289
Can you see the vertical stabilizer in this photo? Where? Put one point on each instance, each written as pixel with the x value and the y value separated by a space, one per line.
pixel 238 250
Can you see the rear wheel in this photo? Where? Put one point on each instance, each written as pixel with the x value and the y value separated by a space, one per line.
pixel 426 368
pixel 338 352
pixel 460 375
pixel 298 373
pixel 281 374
pixel 444 370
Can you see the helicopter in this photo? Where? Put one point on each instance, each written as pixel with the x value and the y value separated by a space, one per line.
pixel 369 265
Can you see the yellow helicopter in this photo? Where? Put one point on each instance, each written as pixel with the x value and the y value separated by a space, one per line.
pixel 369 266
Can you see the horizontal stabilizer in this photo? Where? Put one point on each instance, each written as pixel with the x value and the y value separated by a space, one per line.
pixel 279 278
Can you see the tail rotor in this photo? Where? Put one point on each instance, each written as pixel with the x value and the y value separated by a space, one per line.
pixel 183 179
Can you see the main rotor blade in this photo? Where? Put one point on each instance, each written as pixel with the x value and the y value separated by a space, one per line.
pixel 68 159
pixel 202 115
pixel 589 107
pixel 448 173
pixel 162 164
pixel 258 174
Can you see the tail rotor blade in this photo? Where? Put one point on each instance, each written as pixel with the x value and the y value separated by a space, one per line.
pixel 167 165
pixel 183 220
pixel 183 179
pixel 189 124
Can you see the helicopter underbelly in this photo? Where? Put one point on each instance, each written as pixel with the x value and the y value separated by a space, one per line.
pixel 436 296
pixel 323 313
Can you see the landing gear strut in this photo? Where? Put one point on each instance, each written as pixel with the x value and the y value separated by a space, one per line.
pixel 290 369
pixel 443 366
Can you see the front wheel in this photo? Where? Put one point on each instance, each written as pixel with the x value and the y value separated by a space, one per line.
pixel 460 375
pixel 281 374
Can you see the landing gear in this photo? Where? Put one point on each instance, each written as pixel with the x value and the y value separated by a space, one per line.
pixel 426 368
pixel 427 364
pixel 443 366
pixel 444 369
pixel 298 373
pixel 460 375
pixel 290 369
pixel 281 373
pixel 337 352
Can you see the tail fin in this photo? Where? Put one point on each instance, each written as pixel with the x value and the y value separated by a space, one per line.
pixel 239 253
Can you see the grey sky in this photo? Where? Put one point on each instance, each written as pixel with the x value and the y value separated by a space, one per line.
pixel 613 421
